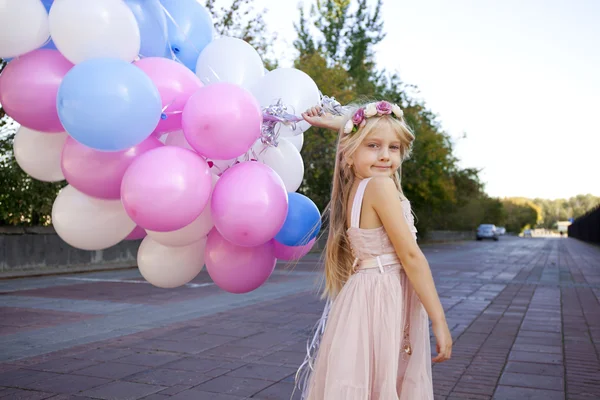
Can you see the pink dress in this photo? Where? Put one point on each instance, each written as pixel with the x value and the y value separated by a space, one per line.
pixel 373 324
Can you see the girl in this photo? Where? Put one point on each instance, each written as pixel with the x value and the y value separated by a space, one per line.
pixel 375 344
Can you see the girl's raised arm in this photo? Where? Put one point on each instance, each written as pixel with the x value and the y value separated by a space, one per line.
pixel 316 117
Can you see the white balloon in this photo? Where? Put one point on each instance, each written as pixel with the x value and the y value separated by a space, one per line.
pixel 170 267
pixel 285 159
pixel 288 134
pixel 89 223
pixel 39 153
pixel 23 27
pixel 295 88
pixel 94 28
pixel 193 232
pixel 163 138
pixel 231 60
pixel 177 139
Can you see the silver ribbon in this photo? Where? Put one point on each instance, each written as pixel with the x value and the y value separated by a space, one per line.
pixel 331 105
pixel 273 116
pixel 304 372
pixel 278 113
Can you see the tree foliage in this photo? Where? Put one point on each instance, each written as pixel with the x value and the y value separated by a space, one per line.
pixel 471 206
pixel 553 211
pixel 240 20
pixel 336 48
pixel 521 214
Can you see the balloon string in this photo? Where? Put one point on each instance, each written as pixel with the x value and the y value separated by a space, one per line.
pixel 164 114
pixel 215 74
pixel 187 40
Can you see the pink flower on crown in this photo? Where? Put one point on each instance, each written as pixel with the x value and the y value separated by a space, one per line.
pixel 383 108
pixel 358 117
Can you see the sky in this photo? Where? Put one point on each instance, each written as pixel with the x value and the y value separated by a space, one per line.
pixel 521 78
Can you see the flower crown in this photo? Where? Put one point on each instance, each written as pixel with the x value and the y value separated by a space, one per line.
pixel 359 118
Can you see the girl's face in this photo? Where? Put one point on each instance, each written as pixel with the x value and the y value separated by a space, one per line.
pixel 378 154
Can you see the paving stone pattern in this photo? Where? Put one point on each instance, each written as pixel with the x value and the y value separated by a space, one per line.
pixel 524 314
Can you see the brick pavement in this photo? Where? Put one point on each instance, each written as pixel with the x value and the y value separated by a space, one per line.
pixel 524 314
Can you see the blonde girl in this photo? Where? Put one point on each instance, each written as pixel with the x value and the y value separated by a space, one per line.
pixel 375 342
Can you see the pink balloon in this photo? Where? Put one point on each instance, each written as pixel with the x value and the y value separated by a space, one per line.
pixel 99 173
pixel 137 234
pixel 291 253
pixel 28 88
pixel 249 204
pixel 166 188
pixel 221 121
pixel 175 84
pixel 238 269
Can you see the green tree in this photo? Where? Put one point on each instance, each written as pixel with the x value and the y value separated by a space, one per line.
pixel 563 209
pixel 582 204
pixel 494 211
pixel 521 213
pixel 472 206
pixel 336 47
pixel 240 20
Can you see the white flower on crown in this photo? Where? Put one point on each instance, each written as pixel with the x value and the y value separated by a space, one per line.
pixel 397 111
pixel 370 110
pixel 348 127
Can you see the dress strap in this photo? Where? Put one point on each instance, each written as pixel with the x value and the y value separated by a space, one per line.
pixel 357 203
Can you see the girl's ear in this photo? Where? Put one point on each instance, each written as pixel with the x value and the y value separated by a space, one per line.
pixel 348 161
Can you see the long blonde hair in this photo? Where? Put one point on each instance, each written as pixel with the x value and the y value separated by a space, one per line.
pixel 338 254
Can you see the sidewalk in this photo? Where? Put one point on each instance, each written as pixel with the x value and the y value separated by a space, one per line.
pixel 524 313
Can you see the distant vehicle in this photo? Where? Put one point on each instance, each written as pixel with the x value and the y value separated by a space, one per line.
pixel 527 233
pixel 487 231
pixel 501 230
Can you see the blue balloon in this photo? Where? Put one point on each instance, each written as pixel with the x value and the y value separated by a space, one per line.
pixel 108 104
pixel 153 27
pixel 50 45
pixel 302 223
pixel 190 29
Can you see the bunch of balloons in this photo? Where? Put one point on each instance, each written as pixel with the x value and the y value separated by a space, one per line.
pixel 157 126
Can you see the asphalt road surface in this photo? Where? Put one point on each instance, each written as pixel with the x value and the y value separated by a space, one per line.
pixel 524 313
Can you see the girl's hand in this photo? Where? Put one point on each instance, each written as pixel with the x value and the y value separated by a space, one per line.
pixel 444 341
pixel 316 117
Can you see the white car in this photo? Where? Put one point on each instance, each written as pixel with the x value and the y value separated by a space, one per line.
pixel 487 231
pixel 501 230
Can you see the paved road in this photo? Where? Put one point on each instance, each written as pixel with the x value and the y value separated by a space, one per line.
pixel 524 313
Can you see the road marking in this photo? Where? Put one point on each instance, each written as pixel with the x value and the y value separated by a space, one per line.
pixel 192 285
